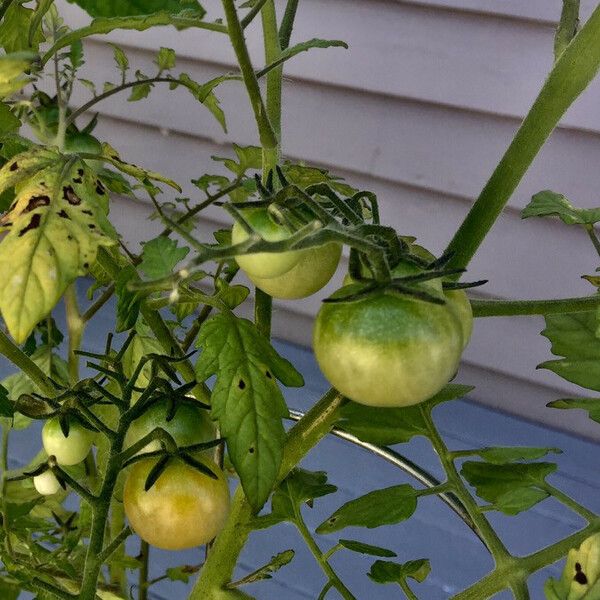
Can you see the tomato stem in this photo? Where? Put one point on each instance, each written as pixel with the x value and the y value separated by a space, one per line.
pixel 505 308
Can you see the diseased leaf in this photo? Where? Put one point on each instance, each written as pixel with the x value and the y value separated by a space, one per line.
pixel 246 399
pixel 551 204
pixel 383 571
pixel 363 548
pixel 387 426
pixel 511 454
pixel 160 256
pixel 500 484
pixel 381 507
pixel 56 225
pixel 574 337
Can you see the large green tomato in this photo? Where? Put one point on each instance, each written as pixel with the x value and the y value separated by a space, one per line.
pixel 458 302
pixel 184 508
pixel 387 351
pixel 69 450
pixel 314 269
pixel 190 425
pixel 264 264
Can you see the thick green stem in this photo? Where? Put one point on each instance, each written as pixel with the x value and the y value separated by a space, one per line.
pixel 572 73
pixel 268 139
pixel 218 569
pixel 118 574
pixel 11 351
pixel 287 23
pixel 567 26
pixel 325 566
pixel 582 511
pixel 4 466
pixel 143 575
pixel 406 589
pixel 511 308
pixel 75 328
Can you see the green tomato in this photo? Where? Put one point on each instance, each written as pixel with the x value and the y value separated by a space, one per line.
pixel 46 484
pixel 264 264
pixel 459 304
pixel 189 425
pixel 184 508
pixel 314 269
pixel 386 350
pixel 69 450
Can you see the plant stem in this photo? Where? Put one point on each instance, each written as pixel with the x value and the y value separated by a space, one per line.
pixel 593 237
pixel 218 569
pixel 94 308
pixel 406 589
pixel 143 575
pixel 252 13
pixel 267 136
pixel 582 511
pixel 11 351
pixel 118 534
pixel 287 23
pixel 504 308
pixel 571 74
pixel 567 26
pixel 316 552
pixel 263 304
pixel 490 537
pixel 75 328
pixel 4 465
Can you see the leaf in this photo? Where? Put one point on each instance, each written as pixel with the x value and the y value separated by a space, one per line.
pixel 249 158
pixel 56 225
pixel 246 399
pixel 9 590
pixel 298 487
pixel 204 94
pixel 592 405
pixel 363 548
pixel 9 123
pixel 160 256
pixel 26 164
pixel 383 571
pixel 141 90
pixel 121 59
pixel 301 47
pixel 381 507
pixel 128 301
pixel 125 8
pixel 7 408
pixel 12 72
pixel 499 456
pixel 551 204
pixel 387 426
pixel 182 573
pixel 573 336
pixel 165 59
pixel 499 484
pixel 14 29
pixel 304 177
pixel 266 571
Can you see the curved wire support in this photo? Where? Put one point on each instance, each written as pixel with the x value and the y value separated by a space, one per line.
pixel 405 465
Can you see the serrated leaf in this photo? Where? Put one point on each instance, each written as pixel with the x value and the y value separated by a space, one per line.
pixel 249 158
pixel 266 571
pixel 165 59
pixel 232 295
pixel 120 58
pixel 14 29
pixel 369 549
pixel 573 336
pixel 204 94
pixel 518 500
pixel 383 571
pixel 381 507
pixel 141 90
pixel 503 455
pixel 8 121
pixel 160 256
pixel 124 8
pixel 551 204
pixel 246 399
pixel 498 483
pixel 56 225
pixel 387 426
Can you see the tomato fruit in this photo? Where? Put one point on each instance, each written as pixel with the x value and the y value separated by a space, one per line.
pixel 458 302
pixel 386 350
pixel 46 484
pixel 314 269
pixel 264 264
pixel 190 425
pixel 69 450
pixel 184 508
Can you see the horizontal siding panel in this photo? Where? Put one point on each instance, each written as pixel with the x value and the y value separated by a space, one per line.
pixel 436 56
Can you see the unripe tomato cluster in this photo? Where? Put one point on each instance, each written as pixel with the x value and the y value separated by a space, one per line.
pixel 380 350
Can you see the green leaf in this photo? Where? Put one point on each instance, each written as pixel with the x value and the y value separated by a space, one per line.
pixel 381 507
pixel 9 590
pixel 500 455
pixel 12 72
pixel 56 225
pixel 498 484
pixel 160 256
pixel 298 487
pixel 232 295
pixel 141 90
pixel 363 548
pixel 387 426
pixel 249 158
pixel 304 177
pixel 165 59
pixel 14 29
pixel 383 571
pixel 301 47
pixel 9 123
pixel 592 405
pixel 551 204
pixel 266 571
pixel 125 8
pixel 246 399
pixel 128 301
pixel 573 336
pixel 7 408
pixel 204 94
pixel 182 573
pixel 142 344
pixel 120 57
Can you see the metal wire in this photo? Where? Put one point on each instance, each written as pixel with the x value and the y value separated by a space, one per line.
pixel 406 465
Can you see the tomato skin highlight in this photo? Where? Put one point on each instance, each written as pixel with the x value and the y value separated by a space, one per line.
pixel 46 484
pixel 184 508
pixel 387 351
pixel 190 425
pixel 70 450
pixel 264 264
pixel 312 272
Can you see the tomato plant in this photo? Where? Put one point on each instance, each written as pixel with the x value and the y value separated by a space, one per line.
pixel 184 398
pixel 182 509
